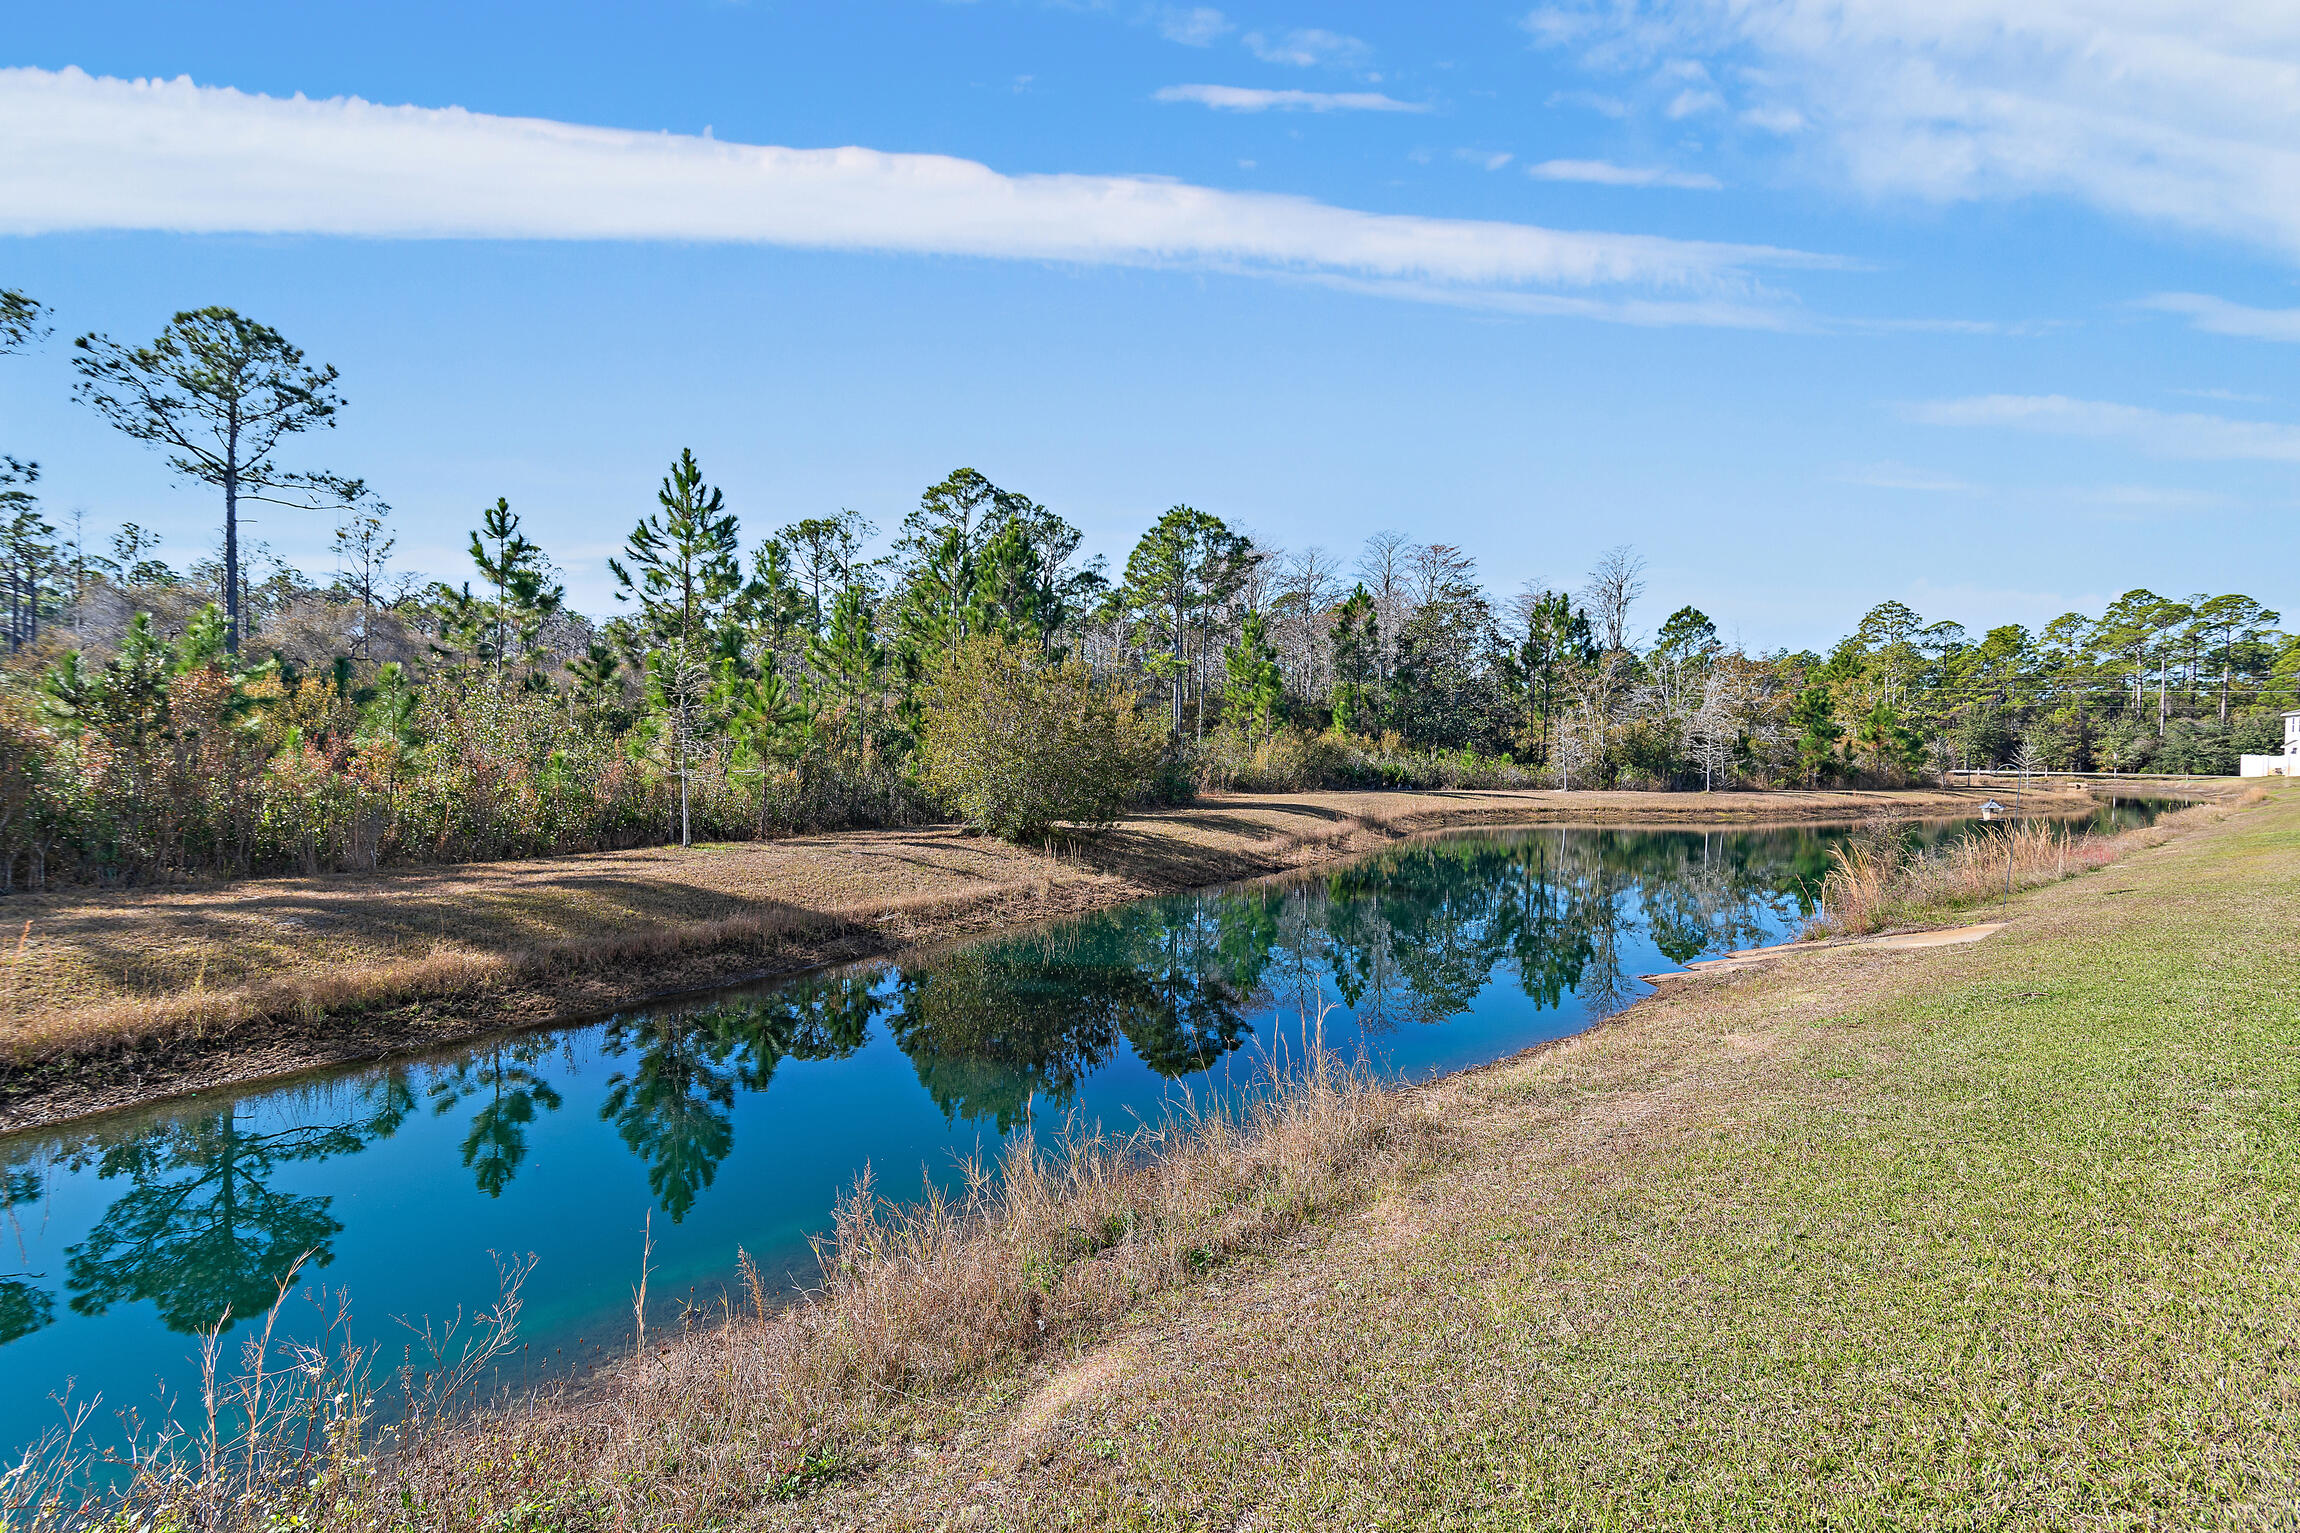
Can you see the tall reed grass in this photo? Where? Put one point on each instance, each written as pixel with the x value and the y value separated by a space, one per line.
pixel 1878 879
pixel 775 1393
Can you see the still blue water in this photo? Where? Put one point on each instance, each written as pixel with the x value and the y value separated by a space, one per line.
pixel 733 1122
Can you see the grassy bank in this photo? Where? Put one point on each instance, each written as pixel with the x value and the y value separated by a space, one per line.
pixel 110 997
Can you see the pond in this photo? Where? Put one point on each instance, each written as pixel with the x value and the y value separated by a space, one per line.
pixel 731 1122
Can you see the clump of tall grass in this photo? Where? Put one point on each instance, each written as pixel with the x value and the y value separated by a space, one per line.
pixel 1878 879
pixel 294 1433
pixel 1033 1252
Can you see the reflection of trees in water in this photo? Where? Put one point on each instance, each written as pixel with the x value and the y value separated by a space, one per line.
pixel 24 1305
pixel 1706 897
pixel 201 1231
pixel 673 1104
pixel 1554 909
pixel 990 1028
pixel 993 1027
pixel 1413 937
pixel 1201 964
pixel 1416 936
pixel 511 1094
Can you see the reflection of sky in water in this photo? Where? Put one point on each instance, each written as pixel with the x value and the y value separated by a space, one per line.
pixel 737 1121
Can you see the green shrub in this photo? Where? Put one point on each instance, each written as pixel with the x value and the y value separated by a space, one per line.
pixel 1280 763
pixel 1290 761
pixel 1016 744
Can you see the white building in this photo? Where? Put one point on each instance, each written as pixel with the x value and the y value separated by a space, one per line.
pixel 2284 765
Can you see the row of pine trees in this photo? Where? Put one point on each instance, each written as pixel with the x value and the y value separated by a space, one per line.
pixel 239 716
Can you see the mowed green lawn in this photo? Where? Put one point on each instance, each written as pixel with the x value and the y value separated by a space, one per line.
pixel 1999 1236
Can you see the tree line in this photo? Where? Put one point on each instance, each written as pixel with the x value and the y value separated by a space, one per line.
pixel 238 715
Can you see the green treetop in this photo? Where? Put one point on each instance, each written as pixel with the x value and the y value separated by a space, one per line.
pixel 1252 685
pixel 1188 565
pixel 685 574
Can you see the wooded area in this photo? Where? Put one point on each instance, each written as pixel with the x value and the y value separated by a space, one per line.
pixel 239 715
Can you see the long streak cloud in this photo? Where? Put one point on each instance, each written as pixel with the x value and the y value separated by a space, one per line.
pixel 90 153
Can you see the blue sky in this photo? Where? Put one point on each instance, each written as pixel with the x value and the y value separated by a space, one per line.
pixel 1985 305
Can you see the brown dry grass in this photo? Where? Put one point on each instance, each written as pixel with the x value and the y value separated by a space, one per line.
pixel 115 997
pixel 1876 881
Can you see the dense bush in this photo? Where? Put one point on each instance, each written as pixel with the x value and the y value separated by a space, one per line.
pixel 1017 744
pixel 2205 746
pixel 1294 760
pixel 166 760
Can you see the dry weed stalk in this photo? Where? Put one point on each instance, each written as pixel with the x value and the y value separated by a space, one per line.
pixel 293 1438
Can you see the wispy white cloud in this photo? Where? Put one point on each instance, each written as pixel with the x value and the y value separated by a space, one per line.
pixel 1485 159
pixel 2163 433
pixel 2221 317
pixel 1305 47
pixel 1689 103
pixel 1239 98
pixel 1604 173
pixel 1603 106
pixel 86 153
pixel 1195 26
pixel 1651 313
pixel 2167 111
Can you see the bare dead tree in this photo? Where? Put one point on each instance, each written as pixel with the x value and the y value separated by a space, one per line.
pixel 1519 612
pixel 1309 586
pixel 1260 581
pixel 1439 572
pixel 1712 731
pixel 1382 566
pixel 1614 586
